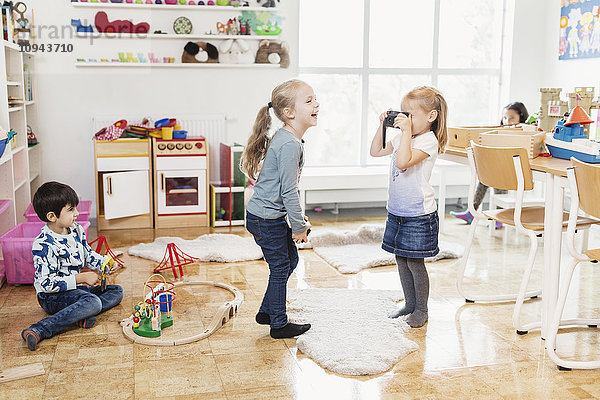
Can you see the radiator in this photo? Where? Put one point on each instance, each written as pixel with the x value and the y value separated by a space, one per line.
pixel 212 127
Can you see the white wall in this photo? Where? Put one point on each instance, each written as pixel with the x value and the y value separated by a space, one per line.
pixel 535 60
pixel 68 97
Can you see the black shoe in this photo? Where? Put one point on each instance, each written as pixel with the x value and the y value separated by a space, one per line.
pixel 263 318
pixel 289 331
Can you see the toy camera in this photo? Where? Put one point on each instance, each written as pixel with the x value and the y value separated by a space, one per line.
pixel 389 121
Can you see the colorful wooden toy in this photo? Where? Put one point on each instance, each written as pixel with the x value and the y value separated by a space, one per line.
pixel 141 314
pixel 155 313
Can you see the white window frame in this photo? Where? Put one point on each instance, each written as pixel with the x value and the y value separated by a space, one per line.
pixel 434 71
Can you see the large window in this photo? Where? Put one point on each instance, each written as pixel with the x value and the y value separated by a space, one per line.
pixel 362 56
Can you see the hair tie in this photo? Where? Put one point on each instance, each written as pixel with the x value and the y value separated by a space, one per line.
pixel 270 105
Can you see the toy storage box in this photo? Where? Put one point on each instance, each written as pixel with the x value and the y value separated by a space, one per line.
pixel 529 140
pixel 16 249
pixel 460 137
pixel 84 208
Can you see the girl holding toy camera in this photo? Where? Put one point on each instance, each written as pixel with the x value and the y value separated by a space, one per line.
pixel 276 195
pixel 411 229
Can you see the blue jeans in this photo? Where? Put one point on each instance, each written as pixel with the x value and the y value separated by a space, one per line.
pixel 71 306
pixel 274 237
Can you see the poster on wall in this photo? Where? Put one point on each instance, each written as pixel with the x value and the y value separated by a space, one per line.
pixel 579 29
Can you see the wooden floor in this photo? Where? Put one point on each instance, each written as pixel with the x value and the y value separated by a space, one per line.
pixel 465 351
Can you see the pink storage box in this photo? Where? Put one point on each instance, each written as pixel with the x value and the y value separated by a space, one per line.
pixel 16 249
pixel 84 209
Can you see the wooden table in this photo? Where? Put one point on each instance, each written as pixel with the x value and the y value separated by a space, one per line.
pixel 553 171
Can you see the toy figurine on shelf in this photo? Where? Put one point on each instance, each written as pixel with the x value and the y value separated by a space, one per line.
pixel 569 140
pixel 268 3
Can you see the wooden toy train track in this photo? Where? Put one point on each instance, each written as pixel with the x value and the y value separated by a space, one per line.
pixel 225 312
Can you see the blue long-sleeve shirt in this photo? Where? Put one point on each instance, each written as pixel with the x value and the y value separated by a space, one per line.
pixel 276 189
pixel 58 258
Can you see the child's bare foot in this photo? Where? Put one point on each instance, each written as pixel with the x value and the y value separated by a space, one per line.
pixel 417 319
pixel 400 312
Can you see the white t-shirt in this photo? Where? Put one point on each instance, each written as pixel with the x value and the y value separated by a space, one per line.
pixel 409 193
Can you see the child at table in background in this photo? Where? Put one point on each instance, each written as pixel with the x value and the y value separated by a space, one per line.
pixel 514 113
pixel 276 195
pixel 59 253
pixel 411 228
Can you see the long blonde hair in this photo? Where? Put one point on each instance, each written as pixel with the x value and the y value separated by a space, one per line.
pixel 432 99
pixel 283 96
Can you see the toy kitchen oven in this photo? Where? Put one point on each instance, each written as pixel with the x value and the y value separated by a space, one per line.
pixel 181 173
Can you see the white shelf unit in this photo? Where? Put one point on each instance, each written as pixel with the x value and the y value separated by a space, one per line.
pixel 167 7
pixel 169 36
pixel 204 29
pixel 19 166
pixel 81 64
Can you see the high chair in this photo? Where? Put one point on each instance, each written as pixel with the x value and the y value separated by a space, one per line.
pixel 506 168
pixel 584 184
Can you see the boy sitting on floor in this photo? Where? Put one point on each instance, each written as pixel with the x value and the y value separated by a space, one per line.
pixel 59 254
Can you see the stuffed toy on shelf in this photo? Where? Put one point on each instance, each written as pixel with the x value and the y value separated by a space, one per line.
pixel 270 52
pixel 236 52
pixel 200 52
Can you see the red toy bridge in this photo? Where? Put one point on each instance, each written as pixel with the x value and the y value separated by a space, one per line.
pixel 175 258
pixel 102 242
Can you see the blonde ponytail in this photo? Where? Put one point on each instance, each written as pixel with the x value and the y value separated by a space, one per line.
pixel 258 143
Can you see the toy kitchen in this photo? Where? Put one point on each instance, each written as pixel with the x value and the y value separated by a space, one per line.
pixel 181 183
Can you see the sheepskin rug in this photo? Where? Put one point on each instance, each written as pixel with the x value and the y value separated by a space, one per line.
pixel 351 333
pixel 218 247
pixel 353 250
pixel 349 251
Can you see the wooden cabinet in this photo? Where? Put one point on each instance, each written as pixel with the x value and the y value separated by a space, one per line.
pixel 123 170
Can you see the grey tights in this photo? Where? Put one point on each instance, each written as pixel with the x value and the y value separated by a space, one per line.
pixel 480 194
pixel 415 284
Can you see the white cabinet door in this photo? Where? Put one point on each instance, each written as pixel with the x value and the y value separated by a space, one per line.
pixel 181 192
pixel 126 194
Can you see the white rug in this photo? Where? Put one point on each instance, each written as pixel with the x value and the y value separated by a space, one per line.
pixel 348 251
pixel 217 247
pixel 352 251
pixel 351 333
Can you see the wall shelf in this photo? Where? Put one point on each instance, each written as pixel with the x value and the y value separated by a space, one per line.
pixel 29 103
pixel 18 149
pixel 177 7
pixel 12 46
pixel 13 83
pixel 20 184
pixel 171 65
pixel 15 109
pixel 100 35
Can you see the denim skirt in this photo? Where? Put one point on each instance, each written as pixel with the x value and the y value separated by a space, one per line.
pixel 412 237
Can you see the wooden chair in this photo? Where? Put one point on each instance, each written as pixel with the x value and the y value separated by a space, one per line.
pixel 507 168
pixel 584 183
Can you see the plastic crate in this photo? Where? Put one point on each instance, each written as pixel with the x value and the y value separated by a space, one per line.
pixel 16 250
pixel 84 209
